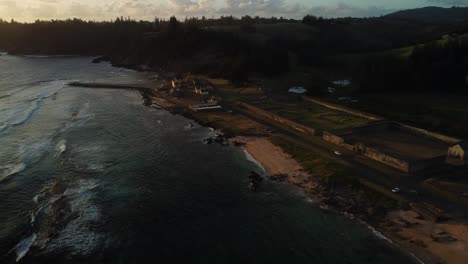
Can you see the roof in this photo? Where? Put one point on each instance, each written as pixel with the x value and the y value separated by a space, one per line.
pixel 298 90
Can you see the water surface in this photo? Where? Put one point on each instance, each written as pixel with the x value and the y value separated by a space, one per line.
pixel 93 176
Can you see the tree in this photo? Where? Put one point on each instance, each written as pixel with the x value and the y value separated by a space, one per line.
pixel 173 24
pixel 309 20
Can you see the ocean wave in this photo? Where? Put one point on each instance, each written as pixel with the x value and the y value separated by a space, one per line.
pixel 77 236
pixel 79 117
pixel 63 219
pixel 22 104
pixel 20 117
pixel 11 169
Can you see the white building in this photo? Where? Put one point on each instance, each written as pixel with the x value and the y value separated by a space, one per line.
pixel 298 90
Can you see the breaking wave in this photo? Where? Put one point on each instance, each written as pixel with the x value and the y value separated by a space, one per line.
pixel 11 169
pixel 18 107
pixel 23 246
pixel 61 146
pixel 63 219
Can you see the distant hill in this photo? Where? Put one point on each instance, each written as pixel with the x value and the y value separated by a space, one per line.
pixel 433 15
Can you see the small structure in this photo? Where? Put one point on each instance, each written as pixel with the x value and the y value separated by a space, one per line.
pixel 297 90
pixel 342 82
pixel 202 87
pixel 203 90
pixel 459 151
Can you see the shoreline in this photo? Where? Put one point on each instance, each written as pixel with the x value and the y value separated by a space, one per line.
pixel 394 226
pixel 268 167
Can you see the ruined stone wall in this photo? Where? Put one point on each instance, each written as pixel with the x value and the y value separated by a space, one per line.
pixel 334 139
pixel 388 160
pixel 278 119
pixel 368 152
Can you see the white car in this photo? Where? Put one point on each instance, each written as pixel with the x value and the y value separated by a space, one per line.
pixel 396 190
pixel 337 153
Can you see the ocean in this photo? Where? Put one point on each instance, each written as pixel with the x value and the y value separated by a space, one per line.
pixel 94 176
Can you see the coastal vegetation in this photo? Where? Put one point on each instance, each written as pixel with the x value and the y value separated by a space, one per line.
pixel 239 48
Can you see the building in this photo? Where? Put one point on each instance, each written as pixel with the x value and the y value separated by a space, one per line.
pixel 342 82
pixel 458 151
pixel 407 149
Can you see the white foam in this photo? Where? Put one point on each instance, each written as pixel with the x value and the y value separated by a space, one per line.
pixel 61 146
pixel 19 107
pixel 11 169
pixel 253 160
pixel 77 238
pixel 23 247
pixel 83 185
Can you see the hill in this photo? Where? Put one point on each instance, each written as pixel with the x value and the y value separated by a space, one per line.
pixel 433 15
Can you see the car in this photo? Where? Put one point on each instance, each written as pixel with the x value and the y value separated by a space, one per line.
pixel 337 153
pixel 396 190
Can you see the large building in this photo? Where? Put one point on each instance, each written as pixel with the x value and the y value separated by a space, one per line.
pixel 402 147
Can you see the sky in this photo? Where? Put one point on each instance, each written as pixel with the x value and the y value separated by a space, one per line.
pixel 30 10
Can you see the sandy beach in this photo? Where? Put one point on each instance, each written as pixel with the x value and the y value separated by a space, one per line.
pixel 432 242
pixel 276 162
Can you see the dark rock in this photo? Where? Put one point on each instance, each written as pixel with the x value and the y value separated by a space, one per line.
pixel 278 177
pixel 255 180
pixel 443 237
pixel 101 59
pixel 239 144
pixel 216 139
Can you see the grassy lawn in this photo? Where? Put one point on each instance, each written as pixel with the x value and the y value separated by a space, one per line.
pixel 314 115
pixel 312 162
pixel 336 176
pixel 231 93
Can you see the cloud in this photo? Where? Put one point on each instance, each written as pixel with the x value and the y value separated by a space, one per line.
pixel 148 9
pixel 10 7
pixel 346 10
pixel 450 2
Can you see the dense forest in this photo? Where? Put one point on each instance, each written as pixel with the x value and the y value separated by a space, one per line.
pixel 237 48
